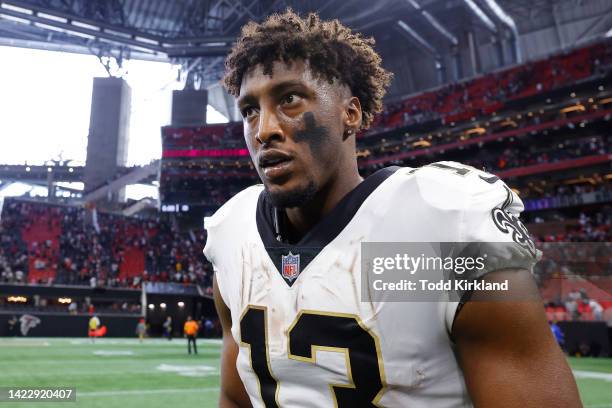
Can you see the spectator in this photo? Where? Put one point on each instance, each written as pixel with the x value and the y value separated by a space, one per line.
pixel 168 328
pixel 596 309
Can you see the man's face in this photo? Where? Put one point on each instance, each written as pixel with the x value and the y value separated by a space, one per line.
pixel 293 127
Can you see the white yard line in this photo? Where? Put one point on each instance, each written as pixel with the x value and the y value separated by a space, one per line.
pixel 23 343
pixel 593 375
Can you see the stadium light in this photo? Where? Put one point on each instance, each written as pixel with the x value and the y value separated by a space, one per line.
pixel 181 304
pixel 82 35
pixel 151 306
pixel 85 25
pixel 162 305
pixel 14 19
pixel 52 17
pixel 50 27
pixel 16 8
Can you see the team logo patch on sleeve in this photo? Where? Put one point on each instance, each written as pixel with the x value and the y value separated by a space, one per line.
pixel 508 223
pixel 290 266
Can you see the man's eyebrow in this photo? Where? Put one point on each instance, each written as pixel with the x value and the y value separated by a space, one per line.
pixel 249 98
pixel 246 99
pixel 277 88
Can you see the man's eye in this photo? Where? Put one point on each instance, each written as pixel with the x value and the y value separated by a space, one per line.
pixel 290 99
pixel 248 112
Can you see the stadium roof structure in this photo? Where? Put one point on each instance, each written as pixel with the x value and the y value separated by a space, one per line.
pixel 197 34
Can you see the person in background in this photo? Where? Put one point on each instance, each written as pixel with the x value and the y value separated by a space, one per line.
pixel 571 304
pixel 12 326
pixel 191 331
pixel 141 329
pixel 201 329
pixel 558 333
pixel 168 328
pixel 94 323
pixel 209 328
pixel 596 309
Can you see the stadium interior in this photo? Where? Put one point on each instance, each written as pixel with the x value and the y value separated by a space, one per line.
pixel 521 89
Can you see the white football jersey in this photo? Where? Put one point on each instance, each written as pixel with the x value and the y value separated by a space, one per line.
pixel 306 337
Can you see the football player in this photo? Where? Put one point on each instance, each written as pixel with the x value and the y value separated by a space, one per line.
pixel 286 254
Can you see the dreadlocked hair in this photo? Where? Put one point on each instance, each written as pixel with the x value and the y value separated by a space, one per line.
pixel 332 50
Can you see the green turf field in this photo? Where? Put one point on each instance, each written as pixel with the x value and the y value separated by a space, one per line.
pixel 123 373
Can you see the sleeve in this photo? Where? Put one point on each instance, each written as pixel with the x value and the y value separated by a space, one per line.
pixel 490 226
pixel 210 250
pixel 223 231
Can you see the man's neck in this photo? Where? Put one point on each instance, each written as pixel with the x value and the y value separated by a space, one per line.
pixel 301 219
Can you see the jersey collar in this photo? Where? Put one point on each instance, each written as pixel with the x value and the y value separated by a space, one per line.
pixel 290 259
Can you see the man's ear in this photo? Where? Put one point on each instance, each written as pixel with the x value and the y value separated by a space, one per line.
pixel 352 116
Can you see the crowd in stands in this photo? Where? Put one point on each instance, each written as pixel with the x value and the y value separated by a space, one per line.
pixel 87 248
pixel 225 136
pixel 593 226
pixel 529 153
pixel 489 93
pixel 180 170
pixel 575 305
pixel 569 196
pixel 545 188
pixel 193 188
pixel 520 128
pixel 115 251
pixel 449 104
pixel 515 153
pixel 33 246
pixel 575 280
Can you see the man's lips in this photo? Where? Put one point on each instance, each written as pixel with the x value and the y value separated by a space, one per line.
pixel 275 163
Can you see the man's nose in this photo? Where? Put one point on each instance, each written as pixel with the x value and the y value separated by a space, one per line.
pixel 269 128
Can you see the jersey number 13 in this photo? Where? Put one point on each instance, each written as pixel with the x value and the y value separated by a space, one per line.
pixel 312 331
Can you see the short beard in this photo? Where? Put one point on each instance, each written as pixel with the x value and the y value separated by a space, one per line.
pixel 294 198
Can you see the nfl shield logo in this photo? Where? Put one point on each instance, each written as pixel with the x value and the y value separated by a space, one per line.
pixel 290 266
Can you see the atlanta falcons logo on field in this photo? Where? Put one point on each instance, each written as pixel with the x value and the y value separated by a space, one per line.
pixel 508 223
pixel 290 266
